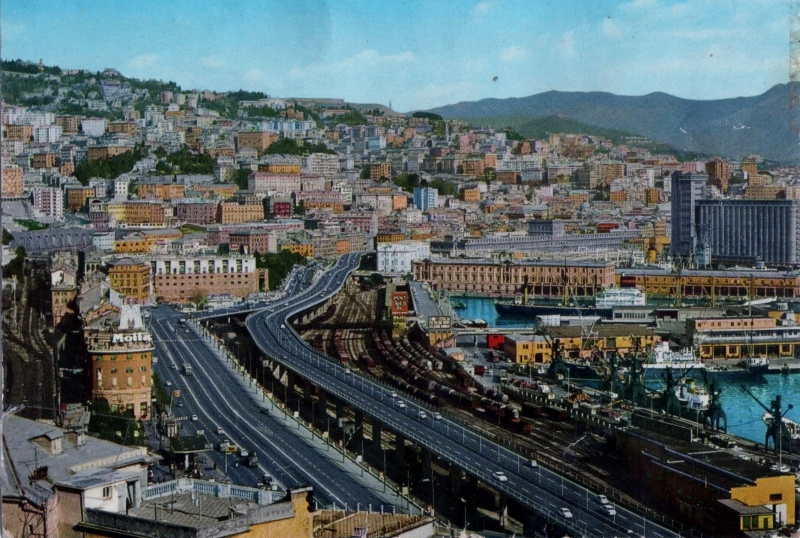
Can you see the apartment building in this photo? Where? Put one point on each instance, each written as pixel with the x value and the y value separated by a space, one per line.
pixel 254 240
pixel 120 361
pixel 144 212
pixel 545 279
pixel 258 140
pixel 182 279
pixel 13 181
pixel 196 211
pixel 131 279
pixel 237 213
pixel 49 201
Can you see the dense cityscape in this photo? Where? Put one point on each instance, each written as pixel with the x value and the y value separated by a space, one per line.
pixel 230 313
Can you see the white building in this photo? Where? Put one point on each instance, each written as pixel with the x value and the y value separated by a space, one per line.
pixel 321 164
pixel 47 134
pixel 121 188
pixel 94 126
pixel 49 201
pixel 398 257
pixel 104 241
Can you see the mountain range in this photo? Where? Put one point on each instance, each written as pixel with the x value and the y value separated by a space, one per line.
pixel 766 124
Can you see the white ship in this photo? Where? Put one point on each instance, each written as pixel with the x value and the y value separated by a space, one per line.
pixel 663 358
pixel 691 395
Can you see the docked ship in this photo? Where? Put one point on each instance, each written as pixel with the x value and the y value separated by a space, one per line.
pixel 604 305
pixel 679 361
pixel 691 395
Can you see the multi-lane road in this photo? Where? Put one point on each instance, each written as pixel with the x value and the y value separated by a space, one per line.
pixel 515 477
pixel 215 394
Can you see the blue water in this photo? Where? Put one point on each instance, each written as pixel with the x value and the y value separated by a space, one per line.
pixel 744 413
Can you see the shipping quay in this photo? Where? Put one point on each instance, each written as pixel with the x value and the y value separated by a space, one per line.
pixel 399 386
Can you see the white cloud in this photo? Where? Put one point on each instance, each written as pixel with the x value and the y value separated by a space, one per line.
pixel 513 53
pixel 611 28
pixel 254 75
pixel 480 10
pixel 213 61
pixel 566 44
pixel 143 60
pixel 365 59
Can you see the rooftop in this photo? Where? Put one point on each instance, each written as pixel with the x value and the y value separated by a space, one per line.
pixel 80 460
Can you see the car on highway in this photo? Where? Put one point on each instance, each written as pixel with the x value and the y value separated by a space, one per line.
pixel 401 404
pixel 501 476
pixel 220 431
pixel 437 416
pixel 168 383
pixel 422 414
pixel 194 418
pixel 609 510
pixel 565 513
pixel 602 499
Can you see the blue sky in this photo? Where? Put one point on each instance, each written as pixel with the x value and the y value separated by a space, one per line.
pixel 415 54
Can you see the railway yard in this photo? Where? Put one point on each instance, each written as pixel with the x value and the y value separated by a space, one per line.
pixel 352 328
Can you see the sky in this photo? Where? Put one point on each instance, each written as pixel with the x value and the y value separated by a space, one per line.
pixel 415 54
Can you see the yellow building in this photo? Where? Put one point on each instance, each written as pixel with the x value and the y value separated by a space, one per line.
pixel 380 170
pixel 166 190
pixel 524 349
pixel 289 169
pixel 258 140
pixel 116 211
pixel 131 279
pixel 304 249
pixel 237 213
pixel 135 244
pixel 471 195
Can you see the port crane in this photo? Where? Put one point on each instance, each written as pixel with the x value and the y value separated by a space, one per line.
pixel 776 429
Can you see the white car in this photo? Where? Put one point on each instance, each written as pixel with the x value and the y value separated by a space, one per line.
pixel 401 404
pixel 437 416
pixel 194 417
pixel 501 476
pixel 422 415
pixel 602 499
pixel 168 383
pixel 565 513
pixel 609 510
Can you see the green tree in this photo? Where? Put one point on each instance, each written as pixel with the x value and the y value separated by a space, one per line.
pixel 239 177
pixel 16 267
pixel 109 168
pixel 364 172
pixel 300 208
pixel 278 265
pixel 445 188
pixel 7 237
pixel 407 182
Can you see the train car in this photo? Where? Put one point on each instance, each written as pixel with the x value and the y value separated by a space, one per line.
pixel 496 341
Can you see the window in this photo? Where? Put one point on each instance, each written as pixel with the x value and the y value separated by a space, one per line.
pixel 775 497
pixel 113 370
pixel 107 492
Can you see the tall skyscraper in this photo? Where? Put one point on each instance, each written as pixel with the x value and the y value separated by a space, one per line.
pixel 687 189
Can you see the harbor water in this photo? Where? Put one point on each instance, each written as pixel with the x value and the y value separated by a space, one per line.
pixel 744 413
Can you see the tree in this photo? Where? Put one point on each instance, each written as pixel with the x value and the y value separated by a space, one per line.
pixel 199 297
pixel 300 208
pixel 7 237
pixel 445 188
pixel 240 177
pixel 407 182
pixel 364 172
